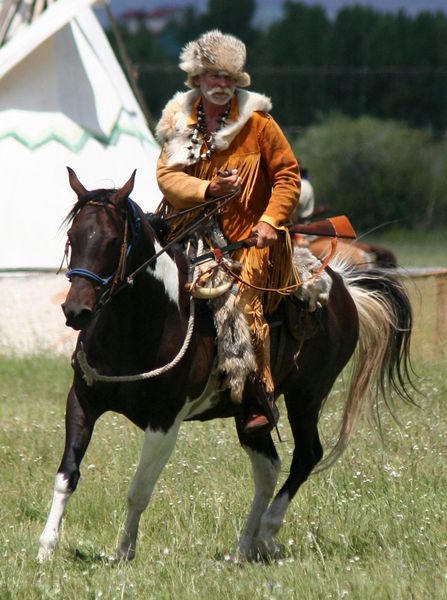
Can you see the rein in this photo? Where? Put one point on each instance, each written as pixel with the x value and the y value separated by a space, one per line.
pixel 91 375
pixel 288 290
pixel 119 283
pixel 221 201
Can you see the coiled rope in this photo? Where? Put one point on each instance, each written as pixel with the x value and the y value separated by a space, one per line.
pixel 91 375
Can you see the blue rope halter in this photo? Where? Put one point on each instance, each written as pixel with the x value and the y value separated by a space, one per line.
pixel 135 225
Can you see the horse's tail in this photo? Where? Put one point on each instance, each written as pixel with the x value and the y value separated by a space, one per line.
pixel 381 363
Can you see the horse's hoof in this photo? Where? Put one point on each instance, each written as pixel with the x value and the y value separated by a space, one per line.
pixel 269 550
pixel 47 545
pixel 238 557
pixel 44 555
pixel 123 555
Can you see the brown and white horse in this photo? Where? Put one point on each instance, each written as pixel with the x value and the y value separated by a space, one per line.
pixel 358 254
pixel 153 348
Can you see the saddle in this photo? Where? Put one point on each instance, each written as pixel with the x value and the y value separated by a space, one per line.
pixel 300 323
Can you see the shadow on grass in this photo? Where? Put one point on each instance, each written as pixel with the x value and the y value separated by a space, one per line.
pixel 90 556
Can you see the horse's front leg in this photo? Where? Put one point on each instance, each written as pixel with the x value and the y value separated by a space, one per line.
pixel 78 432
pixel 265 464
pixel 157 448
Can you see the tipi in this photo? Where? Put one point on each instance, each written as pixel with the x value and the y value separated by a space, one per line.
pixel 64 101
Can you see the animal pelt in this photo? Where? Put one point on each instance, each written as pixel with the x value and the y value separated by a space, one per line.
pixel 174 131
pixel 316 286
pixel 215 51
pixel 235 353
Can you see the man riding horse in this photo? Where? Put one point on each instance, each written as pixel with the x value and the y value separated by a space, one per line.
pixel 219 139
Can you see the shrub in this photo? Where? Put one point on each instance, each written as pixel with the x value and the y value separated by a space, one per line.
pixel 377 172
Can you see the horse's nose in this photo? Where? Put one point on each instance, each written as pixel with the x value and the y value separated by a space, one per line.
pixel 77 317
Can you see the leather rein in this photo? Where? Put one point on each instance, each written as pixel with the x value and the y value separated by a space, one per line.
pixel 118 278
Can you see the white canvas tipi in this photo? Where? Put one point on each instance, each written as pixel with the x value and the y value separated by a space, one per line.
pixel 64 101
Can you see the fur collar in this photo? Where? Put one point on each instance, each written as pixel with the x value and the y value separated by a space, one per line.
pixel 173 130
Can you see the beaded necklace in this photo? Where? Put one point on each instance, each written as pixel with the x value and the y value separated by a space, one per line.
pixel 201 135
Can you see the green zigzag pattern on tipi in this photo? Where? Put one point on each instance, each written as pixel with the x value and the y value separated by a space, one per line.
pixel 78 144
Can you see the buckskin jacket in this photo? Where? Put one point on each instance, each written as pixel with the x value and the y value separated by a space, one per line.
pixel 250 141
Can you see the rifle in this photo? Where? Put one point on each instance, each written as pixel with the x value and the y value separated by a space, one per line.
pixel 335 227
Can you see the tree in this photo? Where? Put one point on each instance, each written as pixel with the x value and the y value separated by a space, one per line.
pixel 377 172
pixel 391 66
pixel 300 38
pixel 222 15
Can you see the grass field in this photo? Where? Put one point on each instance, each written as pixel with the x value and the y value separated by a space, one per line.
pixel 372 527
pixel 414 248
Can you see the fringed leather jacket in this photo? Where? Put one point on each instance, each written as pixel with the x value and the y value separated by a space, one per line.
pixel 250 141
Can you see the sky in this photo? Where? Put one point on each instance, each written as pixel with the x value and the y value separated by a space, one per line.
pixel 271 9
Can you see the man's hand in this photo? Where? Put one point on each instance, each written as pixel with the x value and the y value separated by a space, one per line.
pixel 266 234
pixel 224 184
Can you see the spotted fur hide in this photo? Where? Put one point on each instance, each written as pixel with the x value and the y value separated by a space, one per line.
pixel 235 354
pixel 315 289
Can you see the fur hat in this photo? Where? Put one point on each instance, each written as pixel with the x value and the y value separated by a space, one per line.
pixel 215 51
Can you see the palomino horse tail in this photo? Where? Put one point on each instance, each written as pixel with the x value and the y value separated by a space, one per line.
pixel 381 365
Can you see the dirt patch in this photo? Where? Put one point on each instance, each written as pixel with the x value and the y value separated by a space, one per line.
pixel 31 318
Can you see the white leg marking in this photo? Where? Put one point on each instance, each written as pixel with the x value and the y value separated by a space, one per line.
pixel 157 448
pixel 50 534
pixel 266 545
pixel 273 518
pixel 265 476
pixel 166 272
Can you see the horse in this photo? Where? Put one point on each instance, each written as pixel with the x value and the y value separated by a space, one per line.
pixel 147 349
pixel 358 254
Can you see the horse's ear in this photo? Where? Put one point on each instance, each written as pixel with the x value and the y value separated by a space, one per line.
pixel 123 193
pixel 75 184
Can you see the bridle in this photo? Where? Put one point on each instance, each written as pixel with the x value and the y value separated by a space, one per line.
pixel 118 280
pixel 126 247
pixel 90 374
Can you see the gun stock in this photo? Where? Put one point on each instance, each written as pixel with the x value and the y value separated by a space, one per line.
pixel 339 227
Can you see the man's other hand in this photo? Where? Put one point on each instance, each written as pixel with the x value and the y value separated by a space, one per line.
pixel 228 182
pixel 266 234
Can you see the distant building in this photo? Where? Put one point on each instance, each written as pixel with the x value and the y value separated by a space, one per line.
pixel 154 20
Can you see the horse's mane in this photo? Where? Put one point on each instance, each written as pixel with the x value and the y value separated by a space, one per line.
pixel 104 194
pixel 159 225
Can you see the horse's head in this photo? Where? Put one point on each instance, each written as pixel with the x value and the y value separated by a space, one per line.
pixel 96 237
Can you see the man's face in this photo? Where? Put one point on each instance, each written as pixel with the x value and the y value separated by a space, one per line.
pixel 217 87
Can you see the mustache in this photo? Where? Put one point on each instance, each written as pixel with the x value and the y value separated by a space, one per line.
pixel 220 90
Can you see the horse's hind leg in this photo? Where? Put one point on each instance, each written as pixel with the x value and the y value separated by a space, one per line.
pixel 79 427
pixel 157 448
pixel 307 453
pixel 265 464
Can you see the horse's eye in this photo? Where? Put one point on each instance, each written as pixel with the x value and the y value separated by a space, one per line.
pixel 115 243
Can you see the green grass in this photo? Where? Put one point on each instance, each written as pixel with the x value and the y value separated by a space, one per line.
pixel 414 248
pixel 371 527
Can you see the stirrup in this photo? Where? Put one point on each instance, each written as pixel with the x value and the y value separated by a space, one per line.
pixel 257 424
pixel 263 414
